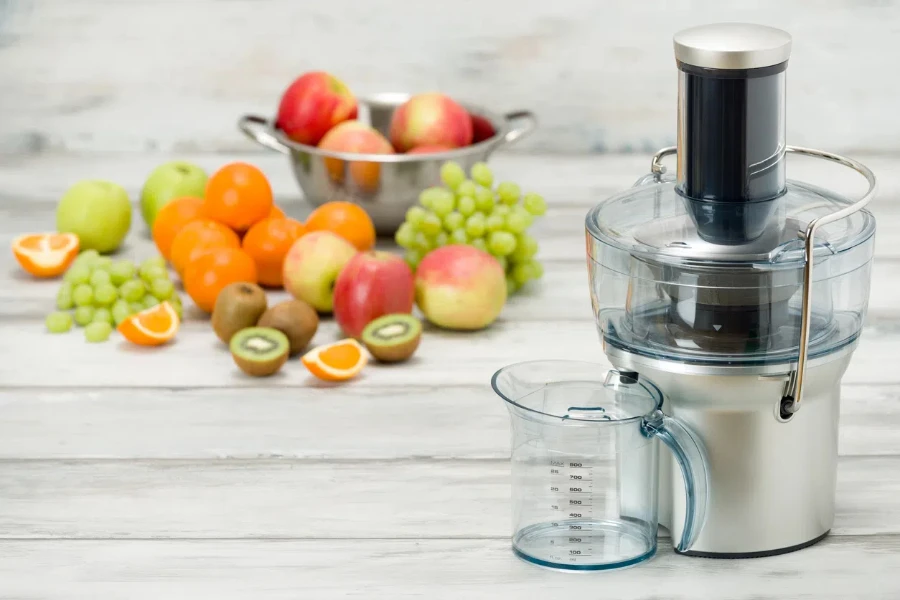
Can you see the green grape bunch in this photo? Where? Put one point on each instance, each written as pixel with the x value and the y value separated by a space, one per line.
pixel 98 293
pixel 475 211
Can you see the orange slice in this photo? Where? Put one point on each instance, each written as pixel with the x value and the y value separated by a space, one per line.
pixel 151 327
pixel 45 254
pixel 336 362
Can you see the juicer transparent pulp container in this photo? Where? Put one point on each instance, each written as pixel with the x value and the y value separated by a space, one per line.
pixel 585 453
pixel 660 290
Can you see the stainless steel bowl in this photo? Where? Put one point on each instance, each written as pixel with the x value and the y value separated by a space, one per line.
pixel 386 185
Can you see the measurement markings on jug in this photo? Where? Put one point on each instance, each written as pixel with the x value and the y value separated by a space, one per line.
pixel 571 495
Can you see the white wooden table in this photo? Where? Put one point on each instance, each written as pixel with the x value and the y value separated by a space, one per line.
pixel 148 474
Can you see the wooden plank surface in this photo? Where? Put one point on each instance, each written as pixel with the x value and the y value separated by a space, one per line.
pixel 296 499
pixel 293 422
pixel 838 568
pixel 115 75
pixel 129 473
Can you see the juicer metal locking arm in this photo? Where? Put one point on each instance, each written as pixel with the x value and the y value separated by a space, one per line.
pixel 790 402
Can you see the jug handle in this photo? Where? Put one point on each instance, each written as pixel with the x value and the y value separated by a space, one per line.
pixel 689 454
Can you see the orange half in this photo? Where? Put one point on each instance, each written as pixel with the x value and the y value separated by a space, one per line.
pixel 151 327
pixel 45 254
pixel 336 362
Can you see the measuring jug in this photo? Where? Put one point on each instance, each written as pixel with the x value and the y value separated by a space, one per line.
pixel 585 452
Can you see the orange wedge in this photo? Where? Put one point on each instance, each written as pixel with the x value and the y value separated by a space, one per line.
pixel 151 327
pixel 336 362
pixel 45 254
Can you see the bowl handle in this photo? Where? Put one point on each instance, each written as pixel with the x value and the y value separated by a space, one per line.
pixel 254 127
pixel 517 132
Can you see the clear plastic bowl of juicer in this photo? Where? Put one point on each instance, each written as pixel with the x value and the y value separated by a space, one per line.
pixel 660 290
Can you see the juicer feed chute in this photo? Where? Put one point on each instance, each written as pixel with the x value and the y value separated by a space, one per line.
pixel 731 128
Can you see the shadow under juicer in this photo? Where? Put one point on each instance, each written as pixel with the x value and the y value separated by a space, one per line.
pixel 740 294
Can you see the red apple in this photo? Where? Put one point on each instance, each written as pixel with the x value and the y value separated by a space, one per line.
pixel 460 287
pixel 481 129
pixel 430 119
pixel 313 104
pixel 371 285
pixel 357 137
pixel 429 149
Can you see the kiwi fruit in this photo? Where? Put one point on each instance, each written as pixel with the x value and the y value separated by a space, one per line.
pixel 259 351
pixel 238 305
pixel 294 318
pixel 392 338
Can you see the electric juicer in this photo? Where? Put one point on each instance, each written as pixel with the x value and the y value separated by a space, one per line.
pixel 740 294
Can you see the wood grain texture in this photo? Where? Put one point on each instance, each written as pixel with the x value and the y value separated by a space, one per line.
pixel 266 498
pixel 838 568
pixel 115 76
pixel 409 421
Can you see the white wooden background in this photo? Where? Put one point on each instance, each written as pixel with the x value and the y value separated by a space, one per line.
pixel 165 474
pixel 174 75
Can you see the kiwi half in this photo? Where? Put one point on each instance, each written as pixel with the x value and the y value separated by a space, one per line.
pixel 392 338
pixel 295 319
pixel 259 351
pixel 238 305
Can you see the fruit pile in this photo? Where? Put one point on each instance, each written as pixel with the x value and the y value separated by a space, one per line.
pixel 467 246
pixel 318 109
pixel 473 211
pixel 262 338
pixel 227 234
pixel 235 233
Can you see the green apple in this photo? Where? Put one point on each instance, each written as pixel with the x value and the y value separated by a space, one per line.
pixel 98 212
pixel 169 181
pixel 312 266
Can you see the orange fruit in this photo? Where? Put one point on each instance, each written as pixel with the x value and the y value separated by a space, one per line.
pixel 171 218
pixel 268 243
pixel 238 195
pixel 45 254
pixel 151 327
pixel 209 273
pixel 196 238
pixel 276 213
pixel 348 220
pixel 336 362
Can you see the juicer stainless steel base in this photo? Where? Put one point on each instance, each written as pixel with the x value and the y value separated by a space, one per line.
pixel 772 483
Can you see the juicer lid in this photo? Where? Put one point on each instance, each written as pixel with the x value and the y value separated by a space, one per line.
pixel 732 46
pixel 652 221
